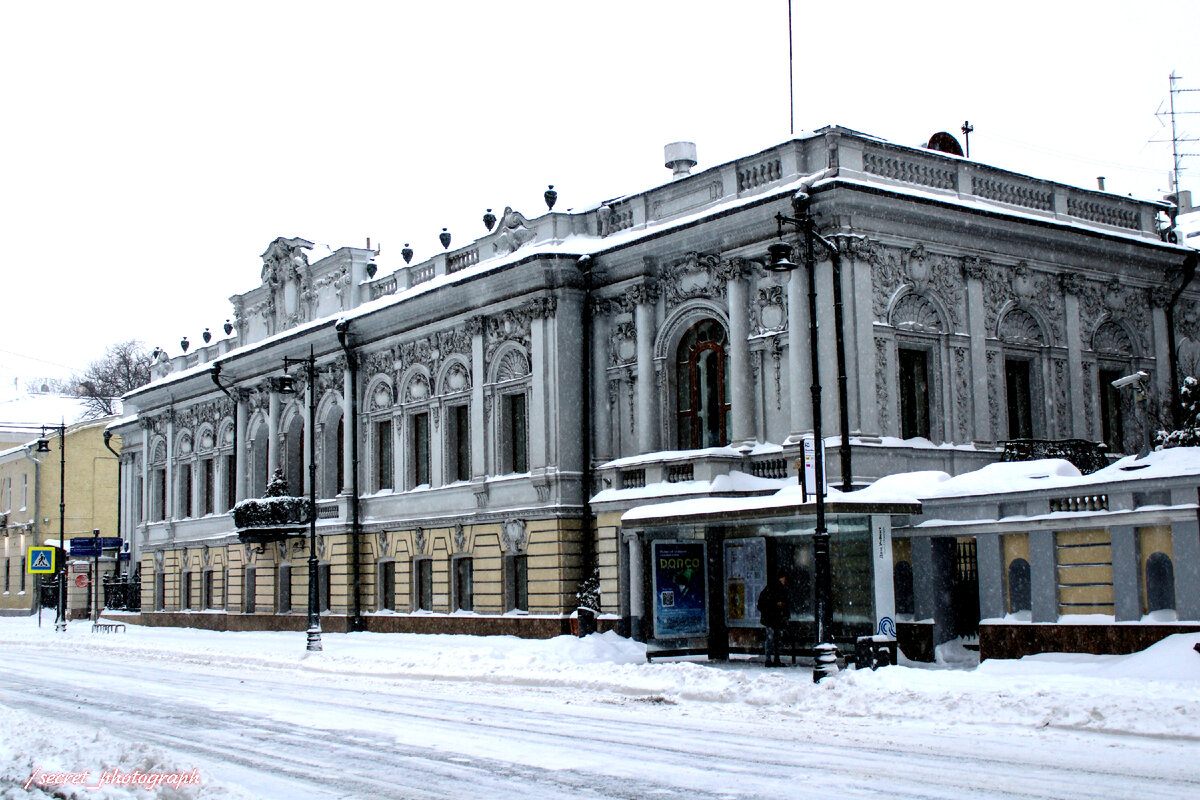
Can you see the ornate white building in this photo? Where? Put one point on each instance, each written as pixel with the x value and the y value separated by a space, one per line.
pixel 514 395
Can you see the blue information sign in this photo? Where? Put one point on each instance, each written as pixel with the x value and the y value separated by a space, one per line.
pixel 91 546
pixel 680 589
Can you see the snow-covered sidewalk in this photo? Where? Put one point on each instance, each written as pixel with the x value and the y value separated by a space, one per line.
pixel 1153 694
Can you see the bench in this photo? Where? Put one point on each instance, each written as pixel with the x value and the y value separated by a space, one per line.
pixel 108 627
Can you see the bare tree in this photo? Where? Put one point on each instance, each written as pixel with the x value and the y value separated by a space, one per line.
pixel 124 367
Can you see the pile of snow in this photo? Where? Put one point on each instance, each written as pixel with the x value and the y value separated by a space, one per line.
pixel 46 760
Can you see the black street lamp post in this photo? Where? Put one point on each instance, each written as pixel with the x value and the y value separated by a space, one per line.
pixel 780 261
pixel 43 446
pixel 314 614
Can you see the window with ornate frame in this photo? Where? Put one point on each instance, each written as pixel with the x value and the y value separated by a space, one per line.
pixel 702 386
pixel 1024 343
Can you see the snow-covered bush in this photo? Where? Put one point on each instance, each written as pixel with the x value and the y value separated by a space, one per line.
pixel 277 507
pixel 1188 434
pixel 589 591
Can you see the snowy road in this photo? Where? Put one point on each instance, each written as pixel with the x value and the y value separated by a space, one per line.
pixel 280 732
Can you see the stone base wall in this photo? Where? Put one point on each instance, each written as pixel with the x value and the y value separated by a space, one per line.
pixel 1015 641
pixel 526 627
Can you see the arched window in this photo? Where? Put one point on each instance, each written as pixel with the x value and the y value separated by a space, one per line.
pixel 1160 582
pixel 1020 597
pixel 702 374
pixel 294 466
pixel 902 580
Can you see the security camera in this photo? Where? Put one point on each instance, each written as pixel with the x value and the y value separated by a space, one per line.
pixel 1130 380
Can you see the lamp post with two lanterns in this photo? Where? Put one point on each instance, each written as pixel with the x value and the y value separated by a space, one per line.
pixel 779 260
pixel 287 386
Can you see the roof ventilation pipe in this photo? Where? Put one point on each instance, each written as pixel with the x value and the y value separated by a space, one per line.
pixel 680 157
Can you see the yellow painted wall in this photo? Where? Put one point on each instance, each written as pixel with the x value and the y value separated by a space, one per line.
pixel 1085 575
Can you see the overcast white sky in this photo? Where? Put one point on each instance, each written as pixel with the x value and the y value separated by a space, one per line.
pixel 149 152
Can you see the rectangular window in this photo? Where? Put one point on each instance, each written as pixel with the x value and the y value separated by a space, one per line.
pixel 225 588
pixel 283 588
pixel 516 443
pixel 464 585
pixel 1019 399
pixel 914 394
pixel 516 582
pixel 158 501
pixel 185 491
pixel 423 591
pixel 249 589
pixel 230 482
pixel 325 595
pixel 7 571
pixel 387 585
pixel 160 591
pixel 24 491
pixel 458 444
pixel 1111 424
pixel 383 455
pixel 207 487
pixel 208 589
pixel 419 449
pixel 185 601
pixel 139 495
pixel 22 574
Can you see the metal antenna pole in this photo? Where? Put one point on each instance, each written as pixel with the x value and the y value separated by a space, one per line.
pixel 791 78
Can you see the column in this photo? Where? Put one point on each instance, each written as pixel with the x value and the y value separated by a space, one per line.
pixel 637 595
pixel 538 396
pixel 240 463
pixel 990 563
pixel 973 270
pixel 1127 594
pixel 1043 576
pixel 349 428
pixel 475 327
pixel 741 390
pixel 799 372
pixel 599 407
pixel 146 456
pixel 1070 286
pixel 644 297
pixel 309 455
pixel 1185 546
pixel 272 433
pixel 169 476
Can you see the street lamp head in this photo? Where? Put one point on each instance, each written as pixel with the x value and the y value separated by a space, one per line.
pixel 780 257
pixel 43 445
pixel 285 384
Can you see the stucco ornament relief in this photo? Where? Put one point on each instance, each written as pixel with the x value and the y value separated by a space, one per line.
pixel 695 275
pixel 512 232
pixel 514 536
pixel 768 310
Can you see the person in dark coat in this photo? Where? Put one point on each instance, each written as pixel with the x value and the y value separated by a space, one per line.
pixel 773 613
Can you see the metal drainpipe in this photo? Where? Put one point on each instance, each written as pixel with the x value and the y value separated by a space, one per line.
pixel 1189 272
pixel 589 559
pixel 216 377
pixel 37 522
pixel 351 414
pixel 107 439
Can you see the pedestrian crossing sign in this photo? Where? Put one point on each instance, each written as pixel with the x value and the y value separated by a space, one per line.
pixel 41 561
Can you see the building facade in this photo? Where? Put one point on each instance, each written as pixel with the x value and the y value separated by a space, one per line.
pixel 483 417
pixel 32 491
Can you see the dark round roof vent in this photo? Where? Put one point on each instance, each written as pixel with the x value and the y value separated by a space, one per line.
pixel 944 143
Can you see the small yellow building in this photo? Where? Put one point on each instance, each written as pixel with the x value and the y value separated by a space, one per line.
pixel 30 502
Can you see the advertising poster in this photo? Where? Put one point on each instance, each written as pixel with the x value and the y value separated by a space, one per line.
pixel 680 589
pixel 745 577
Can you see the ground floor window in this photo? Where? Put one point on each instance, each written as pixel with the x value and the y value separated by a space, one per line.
pixel 423 586
pixel 387 585
pixel 323 587
pixel 160 591
pixel 1160 582
pixel 464 585
pixel 248 590
pixel 185 602
pixel 284 588
pixel 208 589
pixel 1020 593
pixel 516 582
